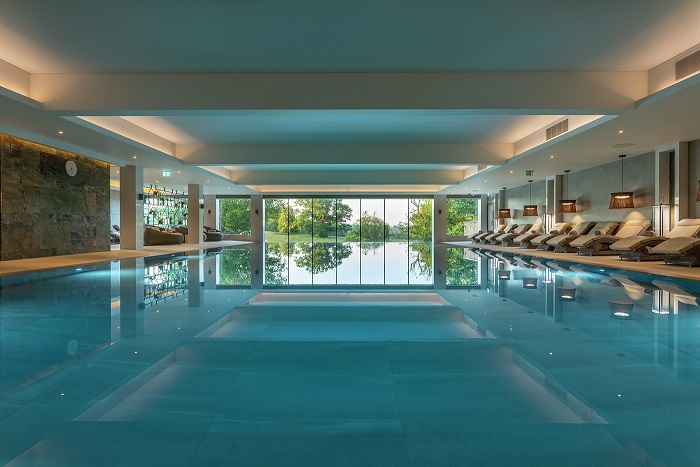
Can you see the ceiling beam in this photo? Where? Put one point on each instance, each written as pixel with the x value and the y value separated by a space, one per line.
pixel 346 177
pixel 401 154
pixel 208 93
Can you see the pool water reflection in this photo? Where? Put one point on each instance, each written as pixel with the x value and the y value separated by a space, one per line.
pixel 161 362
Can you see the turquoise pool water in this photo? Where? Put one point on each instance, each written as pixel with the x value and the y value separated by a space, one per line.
pixel 158 363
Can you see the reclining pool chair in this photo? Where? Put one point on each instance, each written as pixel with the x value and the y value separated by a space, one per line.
pixel 471 236
pixel 519 230
pixel 477 238
pixel 509 228
pixel 557 229
pixel 523 241
pixel 639 248
pixel 680 250
pixel 598 243
pixel 563 243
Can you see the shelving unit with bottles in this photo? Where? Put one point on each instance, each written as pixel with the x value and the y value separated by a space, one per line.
pixel 163 207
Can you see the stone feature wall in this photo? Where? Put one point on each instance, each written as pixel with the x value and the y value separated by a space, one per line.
pixel 46 212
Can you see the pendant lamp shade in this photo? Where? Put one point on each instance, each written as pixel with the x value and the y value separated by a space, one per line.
pixel 504 213
pixel 567 205
pixel 622 199
pixel 530 209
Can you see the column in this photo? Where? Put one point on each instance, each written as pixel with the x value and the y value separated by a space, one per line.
pixel 440 218
pixel 671 184
pixel 195 213
pixel 195 290
pixel 211 216
pixel 257 219
pixel 131 297
pixel 131 208
pixel 483 213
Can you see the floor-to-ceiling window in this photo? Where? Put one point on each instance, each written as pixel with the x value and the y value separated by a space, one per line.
pixel 462 219
pixel 348 241
pixel 234 215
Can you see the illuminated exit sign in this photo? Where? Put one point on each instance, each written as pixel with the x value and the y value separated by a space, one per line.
pixel 529 173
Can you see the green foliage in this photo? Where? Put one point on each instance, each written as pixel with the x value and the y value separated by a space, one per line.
pixel 420 220
pixel 320 215
pixel 234 267
pixel 234 216
pixel 275 263
pixel 317 258
pixel 370 228
pixel 459 211
pixel 422 262
pixel 286 221
pixel 273 208
pixel 460 270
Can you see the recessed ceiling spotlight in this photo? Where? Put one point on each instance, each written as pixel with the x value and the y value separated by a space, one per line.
pixel 621 131
pixel 60 132
pixel 134 157
pixel 621 145
pixel 511 171
pixel 551 157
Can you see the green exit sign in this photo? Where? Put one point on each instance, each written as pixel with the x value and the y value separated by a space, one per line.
pixel 529 173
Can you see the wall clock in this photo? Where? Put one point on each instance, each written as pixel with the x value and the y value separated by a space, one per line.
pixel 71 168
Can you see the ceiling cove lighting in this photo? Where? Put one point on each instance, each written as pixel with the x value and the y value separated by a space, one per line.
pixel 622 199
pixel 530 209
pixel 567 205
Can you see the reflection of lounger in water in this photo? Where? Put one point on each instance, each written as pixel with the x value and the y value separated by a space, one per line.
pixel 633 284
pixel 682 295
pixel 594 277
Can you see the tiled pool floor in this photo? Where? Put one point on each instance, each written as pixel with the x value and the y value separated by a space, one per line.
pixel 328 385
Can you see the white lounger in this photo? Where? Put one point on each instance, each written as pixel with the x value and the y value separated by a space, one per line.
pixel 598 244
pixel 640 248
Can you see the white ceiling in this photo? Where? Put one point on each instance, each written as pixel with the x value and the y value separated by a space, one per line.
pixel 362 35
pixel 315 148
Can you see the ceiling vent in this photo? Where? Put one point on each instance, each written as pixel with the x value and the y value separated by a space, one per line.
pixel 688 65
pixel 559 128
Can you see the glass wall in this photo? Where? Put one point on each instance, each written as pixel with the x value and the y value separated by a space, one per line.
pixel 348 241
pixel 234 215
pixel 462 216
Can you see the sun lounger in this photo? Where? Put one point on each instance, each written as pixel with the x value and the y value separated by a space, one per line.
pixel 509 228
pixel 684 251
pixel 638 248
pixel 477 238
pixel 515 239
pixel 557 229
pixel 521 229
pixel 598 243
pixel 562 243
pixel 563 239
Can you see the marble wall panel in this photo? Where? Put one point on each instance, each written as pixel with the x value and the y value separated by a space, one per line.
pixel 46 212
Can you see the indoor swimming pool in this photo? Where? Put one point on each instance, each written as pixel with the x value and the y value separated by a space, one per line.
pixel 497 360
